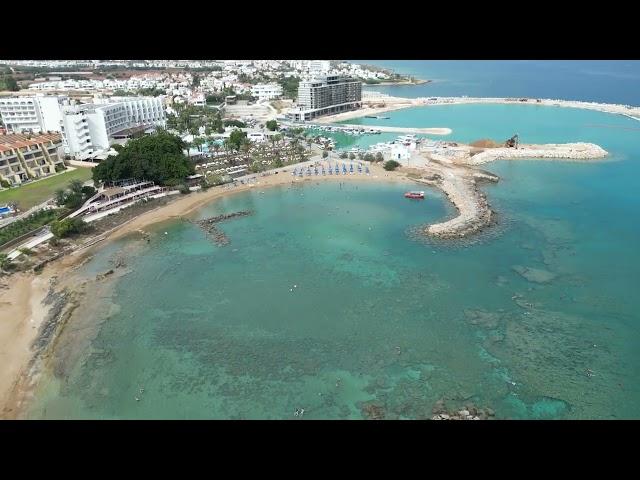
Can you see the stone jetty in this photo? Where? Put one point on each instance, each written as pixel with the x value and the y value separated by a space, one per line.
pixel 209 225
pixel 460 185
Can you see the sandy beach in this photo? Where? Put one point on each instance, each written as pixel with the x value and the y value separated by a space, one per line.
pixel 23 312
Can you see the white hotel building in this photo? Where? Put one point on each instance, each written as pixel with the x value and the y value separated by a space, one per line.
pixel 87 130
pixel 35 114
pixel 266 91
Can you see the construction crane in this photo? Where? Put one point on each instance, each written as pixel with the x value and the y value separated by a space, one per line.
pixel 512 142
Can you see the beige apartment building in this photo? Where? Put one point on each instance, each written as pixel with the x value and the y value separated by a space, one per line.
pixel 28 157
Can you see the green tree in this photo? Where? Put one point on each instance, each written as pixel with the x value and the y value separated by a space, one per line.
pixel 343 155
pixel 379 157
pixel 88 192
pixel 7 82
pixel 67 227
pixel 352 156
pixel 272 125
pixel 158 157
pixel 289 86
pixel 60 197
pixel 198 143
pixel 391 165
pixel 73 200
pixel 325 154
pixel 236 139
pixel 75 186
pixel 5 263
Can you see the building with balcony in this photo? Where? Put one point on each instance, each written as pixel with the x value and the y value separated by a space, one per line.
pixel 34 114
pixel 88 129
pixel 266 91
pixel 28 157
pixel 326 95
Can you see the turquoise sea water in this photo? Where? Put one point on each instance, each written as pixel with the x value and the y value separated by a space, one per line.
pixel 513 319
pixel 604 81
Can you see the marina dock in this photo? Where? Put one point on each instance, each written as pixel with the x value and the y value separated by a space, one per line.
pixel 385 128
pixel 375 129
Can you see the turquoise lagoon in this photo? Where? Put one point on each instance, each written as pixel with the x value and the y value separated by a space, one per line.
pixel 326 299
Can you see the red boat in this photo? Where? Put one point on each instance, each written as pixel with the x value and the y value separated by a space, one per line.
pixel 414 195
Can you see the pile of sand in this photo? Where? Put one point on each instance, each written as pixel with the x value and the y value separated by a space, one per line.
pixel 486 143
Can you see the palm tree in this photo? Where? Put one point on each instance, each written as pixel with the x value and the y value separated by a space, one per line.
pixel 60 197
pixel 75 186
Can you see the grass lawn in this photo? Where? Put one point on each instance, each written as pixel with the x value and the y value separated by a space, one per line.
pixel 34 193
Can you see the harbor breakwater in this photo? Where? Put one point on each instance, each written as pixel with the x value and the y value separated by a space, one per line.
pixel 565 151
pixel 459 181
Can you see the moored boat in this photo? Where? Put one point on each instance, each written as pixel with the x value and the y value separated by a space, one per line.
pixel 414 195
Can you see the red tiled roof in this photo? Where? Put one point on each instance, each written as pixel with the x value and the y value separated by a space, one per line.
pixel 19 140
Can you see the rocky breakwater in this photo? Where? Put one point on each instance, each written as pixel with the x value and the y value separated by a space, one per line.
pixel 468 412
pixel 563 151
pixel 460 185
pixel 209 225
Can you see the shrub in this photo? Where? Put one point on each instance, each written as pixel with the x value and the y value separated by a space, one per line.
pixel 379 157
pixel 67 227
pixel 73 200
pixel 234 123
pixel 391 165
pixel 25 251
pixel 214 180
pixel 325 154
pixel 88 192
pixel 4 183
pixel 343 155
pixel 352 156
pixel 5 263
pixel 184 189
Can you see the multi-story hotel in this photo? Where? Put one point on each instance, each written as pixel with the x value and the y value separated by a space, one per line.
pixel 35 114
pixel 88 129
pixel 266 91
pixel 27 157
pixel 326 96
